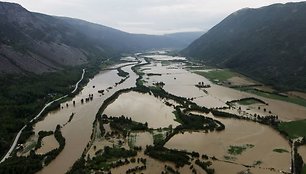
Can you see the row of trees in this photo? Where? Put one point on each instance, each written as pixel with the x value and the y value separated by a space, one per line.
pixel 180 158
pixel 33 162
pixel 122 73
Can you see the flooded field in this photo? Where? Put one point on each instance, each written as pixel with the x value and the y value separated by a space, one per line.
pixel 77 132
pixel 238 133
pixel 48 143
pixel 181 82
pixel 142 108
pixel 242 146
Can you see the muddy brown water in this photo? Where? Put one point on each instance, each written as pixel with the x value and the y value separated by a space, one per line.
pixel 181 82
pixel 143 108
pixel 146 108
pixel 77 132
pixel 48 143
pixel 237 132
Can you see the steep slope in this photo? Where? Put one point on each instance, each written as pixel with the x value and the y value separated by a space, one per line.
pixel 127 42
pixel 33 42
pixel 25 47
pixel 267 44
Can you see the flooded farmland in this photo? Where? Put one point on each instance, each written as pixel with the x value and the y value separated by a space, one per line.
pixel 238 133
pixel 77 132
pixel 143 108
pixel 150 115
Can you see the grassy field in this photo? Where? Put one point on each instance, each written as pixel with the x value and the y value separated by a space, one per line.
pixel 217 75
pixel 294 129
pixel 291 99
pixel 165 62
pixel 196 67
pixel 225 74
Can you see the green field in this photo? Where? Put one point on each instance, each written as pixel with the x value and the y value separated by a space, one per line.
pixel 290 99
pixel 219 75
pixel 294 129
pixel 165 63
pixel 225 74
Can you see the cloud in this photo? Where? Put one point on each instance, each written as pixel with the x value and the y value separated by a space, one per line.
pixel 146 16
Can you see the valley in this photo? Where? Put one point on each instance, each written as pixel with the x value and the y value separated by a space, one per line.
pixel 119 122
pixel 173 90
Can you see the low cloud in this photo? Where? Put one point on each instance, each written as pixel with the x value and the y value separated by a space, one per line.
pixel 146 16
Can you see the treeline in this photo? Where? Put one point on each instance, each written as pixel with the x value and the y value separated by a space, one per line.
pixel 122 125
pixel 196 122
pixel 154 74
pixel 28 131
pixel 32 163
pixel 79 167
pixel 180 158
pixel 22 97
pixel 122 73
pixel 205 166
pixel 110 100
pixel 41 135
pixel 104 162
pixel 270 120
pixel 25 165
pixel 246 99
pixel 299 163
pixel 61 140
pixel 125 125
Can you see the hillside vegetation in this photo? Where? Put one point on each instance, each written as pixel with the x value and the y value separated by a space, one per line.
pixel 266 44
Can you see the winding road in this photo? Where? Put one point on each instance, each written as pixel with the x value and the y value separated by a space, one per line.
pixel 8 154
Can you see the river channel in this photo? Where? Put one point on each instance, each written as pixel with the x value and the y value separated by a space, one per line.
pixel 147 108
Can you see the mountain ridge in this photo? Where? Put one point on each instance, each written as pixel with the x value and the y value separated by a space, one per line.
pixel 264 43
pixel 36 43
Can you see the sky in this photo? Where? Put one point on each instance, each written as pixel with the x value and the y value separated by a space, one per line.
pixel 146 16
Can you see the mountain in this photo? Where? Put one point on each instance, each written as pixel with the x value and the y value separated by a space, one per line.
pixel 185 38
pixel 33 42
pixel 267 44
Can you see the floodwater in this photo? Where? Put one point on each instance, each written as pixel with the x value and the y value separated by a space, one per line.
pixel 180 82
pixel 77 132
pixel 238 133
pixel 48 143
pixel 143 108
pixel 146 108
pixel 165 57
pixel 141 139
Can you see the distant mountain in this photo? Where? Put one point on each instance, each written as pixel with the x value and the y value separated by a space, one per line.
pixel 33 42
pixel 268 44
pixel 185 38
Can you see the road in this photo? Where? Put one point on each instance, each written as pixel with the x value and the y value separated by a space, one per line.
pixel 13 146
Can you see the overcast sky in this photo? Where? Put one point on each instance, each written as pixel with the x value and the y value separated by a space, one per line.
pixel 146 16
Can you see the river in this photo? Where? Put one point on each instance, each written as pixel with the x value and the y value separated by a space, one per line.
pixel 77 132
pixel 147 108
